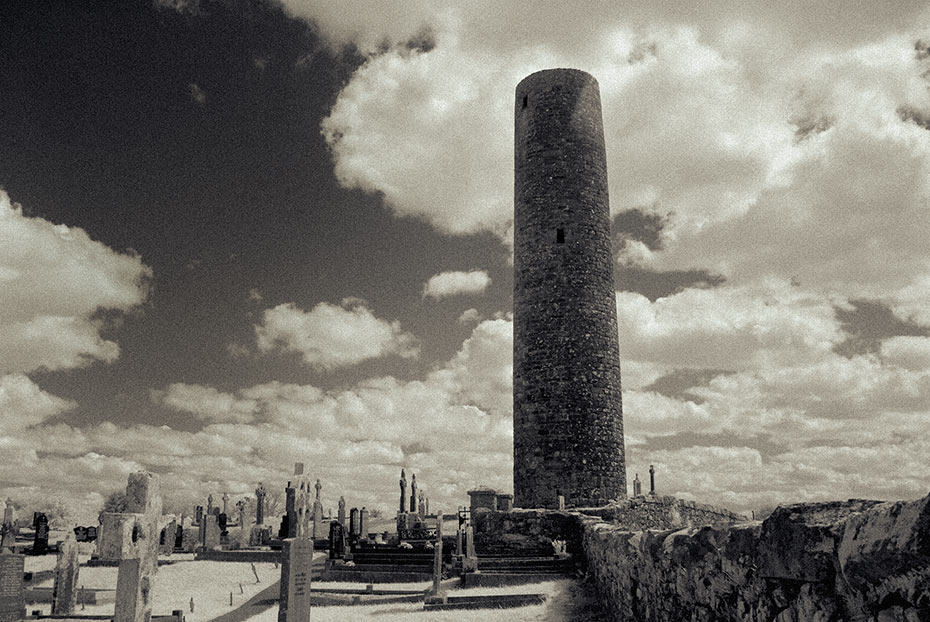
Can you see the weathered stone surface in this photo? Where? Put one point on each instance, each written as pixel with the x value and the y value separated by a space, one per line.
pixel 136 576
pixel 568 427
pixel 12 600
pixel 64 590
pixel 296 562
pixel 824 562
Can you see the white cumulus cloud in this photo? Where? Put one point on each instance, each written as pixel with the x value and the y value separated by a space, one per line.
pixel 331 336
pixel 456 282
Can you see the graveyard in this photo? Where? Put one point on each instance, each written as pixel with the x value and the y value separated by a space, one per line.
pixel 571 540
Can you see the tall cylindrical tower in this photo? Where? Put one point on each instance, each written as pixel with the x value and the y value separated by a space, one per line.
pixel 567 410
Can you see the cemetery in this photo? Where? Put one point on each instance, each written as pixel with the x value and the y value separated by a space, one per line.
pixel 569 530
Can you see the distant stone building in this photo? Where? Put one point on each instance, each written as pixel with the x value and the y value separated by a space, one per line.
pixel 568 417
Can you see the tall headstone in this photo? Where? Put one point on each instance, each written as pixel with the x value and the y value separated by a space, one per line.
pixel 413 492
pixel 136 577
pixel 296 562
pixel 260 504
pixel 226 503
pixel 198 514
pixel 341 517
pixel 567 415
pixel 403 492
pixel 421 506
pixel 240 505
pixel 211 533
pixel 210 503
pixel 337 540
pixel 317 513
pixel 637 486
pixel 7 528
pixel 363 523
pixel 40 542
pixel 353 524
pixel 12 596
pixel 64 591
pixel 290 511
pixel 652 480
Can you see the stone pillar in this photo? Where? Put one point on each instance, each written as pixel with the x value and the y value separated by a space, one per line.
pixel 637 486
pixel 567 414
pixel 342 512
pixel 470 562
pixel 427 506
pixel 561 503
pixel 198 514
pixel 353 524
pixel 290 511
pixel 652 480
pixel 296 562
pixel 317 513
pixel 64 592
pixel 403 492
pixel 211 533
pixel 136 577
pixel 210 503
pixel 260 504
pixel 413 492
pixel 363 523
pixel 421 507
pixel 240 505
pixel 226 504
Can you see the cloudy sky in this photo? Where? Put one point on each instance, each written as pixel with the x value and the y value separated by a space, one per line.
pixel 239 234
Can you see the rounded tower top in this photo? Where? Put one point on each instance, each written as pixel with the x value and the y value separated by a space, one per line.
pixel 559 75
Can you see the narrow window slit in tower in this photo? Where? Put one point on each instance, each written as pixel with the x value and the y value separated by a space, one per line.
pixel 560 236
pixel 524 100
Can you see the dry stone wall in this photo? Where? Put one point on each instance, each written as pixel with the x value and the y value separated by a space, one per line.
pixel 838 561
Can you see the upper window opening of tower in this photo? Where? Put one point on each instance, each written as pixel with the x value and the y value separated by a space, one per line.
pixel 560 236
pixel 525 100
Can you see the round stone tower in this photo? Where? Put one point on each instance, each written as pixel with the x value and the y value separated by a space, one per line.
pixel 567 410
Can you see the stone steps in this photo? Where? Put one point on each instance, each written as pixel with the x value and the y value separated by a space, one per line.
pixel 499 601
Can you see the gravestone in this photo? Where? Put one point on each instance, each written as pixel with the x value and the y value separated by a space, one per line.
pixel 470 562
pixel 341 516
pixel 413 492
pixel 167 538
pixel 652 480
pixel 136 577
pixel 211 533
pixel 210 503
pixel 296 563
pixel 421 507
pixel 240 505
pixel 190 539
pixel 637 486
pixel 222 521
pixel 12 598
pixel 64 591
pixel 260 504
pixel 7 528
pixel 317 513
pixel 353 525
pixel 198 514
pixel 40 543
pixel 403 492
pixel 225 503
pixel 561 502
pixel 92 534
pixel 337 541
pixel 363 523
pixel 290 512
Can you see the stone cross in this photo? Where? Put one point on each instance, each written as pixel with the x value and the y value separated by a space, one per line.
pixel 210 503
pixel 225 503
pixel 136 577
pixel 403 492
pixel 341 517
pixel 652 480
pixel 296 562
pixel 259 504
pixel 64 592
pixel 240 504
pixel 637 486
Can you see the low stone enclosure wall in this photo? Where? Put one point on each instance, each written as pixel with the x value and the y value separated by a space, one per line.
pixel 821 562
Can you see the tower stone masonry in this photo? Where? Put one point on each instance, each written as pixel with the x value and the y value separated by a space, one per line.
pixel 568 415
